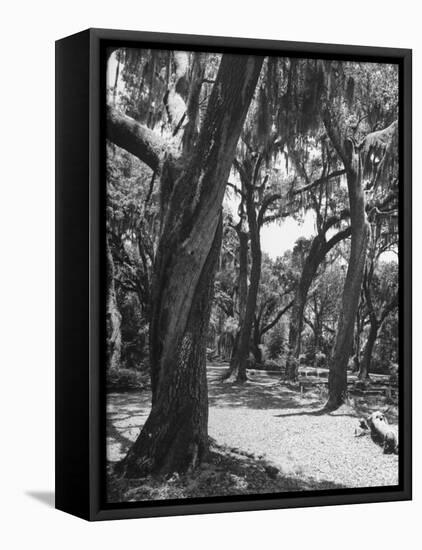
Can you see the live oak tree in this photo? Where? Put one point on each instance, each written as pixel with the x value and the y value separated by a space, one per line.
pixel 365 164
pixel 237 371
pixel 377 317
pixel 380 281
pixel 321 313
pixel 193 177
pixel 282 88
pixel 274 301
pixel 331 219
pixel 226 301
pixel 260 194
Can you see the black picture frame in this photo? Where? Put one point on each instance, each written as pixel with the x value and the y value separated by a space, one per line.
pixel 80 459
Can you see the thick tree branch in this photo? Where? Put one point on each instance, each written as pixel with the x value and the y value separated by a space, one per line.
pixel 136 139
pixel 337 238
pixel 389 308
pixel 265 205
pixel 276 318
pixel 319 181
pixel 344 214
pixel 236 189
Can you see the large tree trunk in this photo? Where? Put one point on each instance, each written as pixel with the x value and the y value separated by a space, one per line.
pixel 369 348
pixel 243 274
pixel 237 372
pixel 256 343
pixel 238 363
pixel 242 283
pixel 308 273
pixel 376 324
pixel 174 437
pixel 319 249
pixel 337 380
pixel 357 340
pixel 353 157
pixel 317 333
pixel 113 317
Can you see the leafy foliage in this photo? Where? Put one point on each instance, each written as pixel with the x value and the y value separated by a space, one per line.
pixel 289 158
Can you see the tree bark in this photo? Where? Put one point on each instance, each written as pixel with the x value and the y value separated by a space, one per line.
pixel 237 372
pixel 376 324
pixel 225 345
pixel 243 274
pixel 317 331
pixel 113 317
pixel 308 273
pixel 192 109
pixel 136 138
pixel 256 342
pixel 240 374
pixel 369 348
pixel 319 249
pixel 337 379
pixel 175 436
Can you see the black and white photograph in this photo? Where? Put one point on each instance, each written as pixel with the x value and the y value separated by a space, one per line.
pixel 252 294
pixel 209 319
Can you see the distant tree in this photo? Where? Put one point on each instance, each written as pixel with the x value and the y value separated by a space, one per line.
pixel 330 214
pixel 380 283
pixel 366 163
pixel 321 313
pixel 274 301
pixel 132 232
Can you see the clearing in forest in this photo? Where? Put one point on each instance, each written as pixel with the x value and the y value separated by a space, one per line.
pixel 266 438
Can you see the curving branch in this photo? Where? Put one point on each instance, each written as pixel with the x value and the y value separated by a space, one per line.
pixel 319 181
pixel 135 138
pixel 276 318
pixel 341 235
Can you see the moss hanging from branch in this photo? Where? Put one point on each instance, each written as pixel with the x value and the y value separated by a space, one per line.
pixel 379 154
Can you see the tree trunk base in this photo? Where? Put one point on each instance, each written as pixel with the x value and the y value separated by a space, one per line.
pixel 235 376
pixel 177 449
pixel 333 403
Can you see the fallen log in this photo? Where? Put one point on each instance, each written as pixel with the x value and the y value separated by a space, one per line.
pixel 382 433
pixel 363 428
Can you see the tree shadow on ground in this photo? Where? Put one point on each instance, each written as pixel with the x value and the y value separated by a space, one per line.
pixel 226 472
pixel 118 436
pixel 261 391
pixel 317 412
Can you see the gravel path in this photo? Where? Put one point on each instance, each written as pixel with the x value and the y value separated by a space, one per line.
pixel 274 423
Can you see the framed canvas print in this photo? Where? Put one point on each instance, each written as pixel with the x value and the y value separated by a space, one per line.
pixel 233 274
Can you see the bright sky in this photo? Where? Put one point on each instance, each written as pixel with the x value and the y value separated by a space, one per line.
pixel 276 238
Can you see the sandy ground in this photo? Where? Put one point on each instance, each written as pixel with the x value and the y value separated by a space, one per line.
pixel 274 423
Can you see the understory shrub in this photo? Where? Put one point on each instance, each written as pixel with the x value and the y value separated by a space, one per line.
pixel 126 380
pixel 275 344
pixel 272 364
